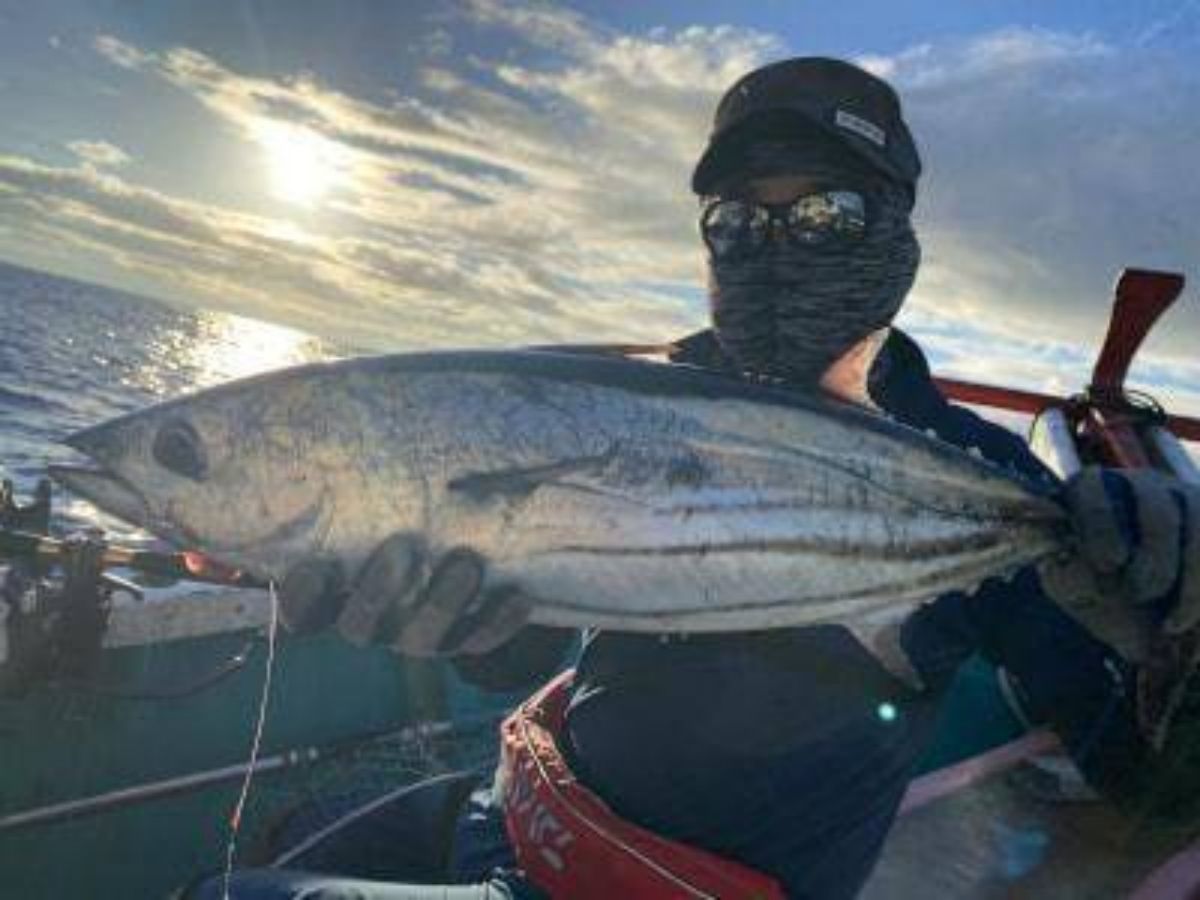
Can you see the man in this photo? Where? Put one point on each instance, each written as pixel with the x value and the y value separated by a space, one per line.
pixel 768 749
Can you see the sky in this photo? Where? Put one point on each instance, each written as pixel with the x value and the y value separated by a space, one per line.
pixel 396 175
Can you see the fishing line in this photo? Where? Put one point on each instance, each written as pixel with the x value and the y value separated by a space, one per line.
pixel 235 819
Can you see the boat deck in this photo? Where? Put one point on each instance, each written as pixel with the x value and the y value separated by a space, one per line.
pixel 994 839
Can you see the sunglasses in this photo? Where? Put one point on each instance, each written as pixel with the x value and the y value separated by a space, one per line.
pixel 732 228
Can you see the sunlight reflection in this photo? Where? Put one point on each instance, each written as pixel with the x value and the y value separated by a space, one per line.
pixel 232 346
pixel 218 347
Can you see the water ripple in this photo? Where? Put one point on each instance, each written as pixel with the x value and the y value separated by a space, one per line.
pixel 74 354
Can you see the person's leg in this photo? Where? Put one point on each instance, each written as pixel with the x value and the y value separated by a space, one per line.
pixel 395 848
pixel 404 835
pixel 285 884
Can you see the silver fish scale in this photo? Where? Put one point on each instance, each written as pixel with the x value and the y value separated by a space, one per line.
pixel 704 521
pixel 612 505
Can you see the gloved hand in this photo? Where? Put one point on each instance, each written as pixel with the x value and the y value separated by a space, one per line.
pixel 402 598
pixel 1143 529
pixel 1138 533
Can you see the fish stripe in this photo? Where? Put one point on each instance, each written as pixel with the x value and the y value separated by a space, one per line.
pixel 815 545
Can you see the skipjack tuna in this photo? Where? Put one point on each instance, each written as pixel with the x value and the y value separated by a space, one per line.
pixel 619 493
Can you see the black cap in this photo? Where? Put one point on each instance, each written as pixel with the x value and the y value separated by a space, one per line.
pixel 840 100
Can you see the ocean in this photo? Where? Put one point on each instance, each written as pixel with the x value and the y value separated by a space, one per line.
pixel 74 354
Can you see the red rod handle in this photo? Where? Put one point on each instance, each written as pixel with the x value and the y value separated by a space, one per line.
pixel 1140 297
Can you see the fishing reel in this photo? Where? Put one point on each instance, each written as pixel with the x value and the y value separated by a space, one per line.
pixel 54 625
pixel 53 612
pixel 57 595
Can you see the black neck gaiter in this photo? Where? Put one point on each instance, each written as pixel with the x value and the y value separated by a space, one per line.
pixel 792 310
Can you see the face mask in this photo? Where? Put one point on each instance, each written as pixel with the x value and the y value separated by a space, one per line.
pixel 791 310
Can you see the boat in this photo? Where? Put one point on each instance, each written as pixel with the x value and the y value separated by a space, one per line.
pixel 128 710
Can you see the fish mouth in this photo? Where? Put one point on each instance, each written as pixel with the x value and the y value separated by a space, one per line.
pixel 117 497
pixel 108 491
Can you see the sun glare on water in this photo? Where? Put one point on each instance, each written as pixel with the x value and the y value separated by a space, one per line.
pixel 219 347
pixel 231 346
pixel 303 166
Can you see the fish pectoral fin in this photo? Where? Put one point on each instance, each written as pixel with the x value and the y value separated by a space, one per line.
pixel 518 482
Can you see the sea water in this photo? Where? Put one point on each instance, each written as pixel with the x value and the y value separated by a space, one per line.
pixel 74 354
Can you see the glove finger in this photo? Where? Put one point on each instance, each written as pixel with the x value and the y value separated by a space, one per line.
pixel 386 584
pixel 311 595
pixel 1098 604
pixel 1095 514
pixel 452 592
pixel 1154 565
pixel 1187 610
pixel 502 614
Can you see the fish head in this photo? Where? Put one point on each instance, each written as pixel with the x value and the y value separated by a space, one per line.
pixel 218 472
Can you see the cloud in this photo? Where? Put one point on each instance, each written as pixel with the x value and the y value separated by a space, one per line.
pixel 122 54
pixel 204 249
pixel 541 193
pixel 503 203
pixel 100 154
pixel 538 23
pixel 1052 161
pixel 1000 54
pixel 1180 25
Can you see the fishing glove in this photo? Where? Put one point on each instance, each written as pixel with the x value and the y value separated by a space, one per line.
pixel 1138 535
pixel 404 599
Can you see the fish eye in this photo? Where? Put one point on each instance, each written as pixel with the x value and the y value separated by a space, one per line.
pixel 179 449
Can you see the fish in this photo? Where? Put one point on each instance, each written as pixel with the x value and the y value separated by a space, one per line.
pixel 614 492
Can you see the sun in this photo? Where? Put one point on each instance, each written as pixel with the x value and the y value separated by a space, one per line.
pixel 303 166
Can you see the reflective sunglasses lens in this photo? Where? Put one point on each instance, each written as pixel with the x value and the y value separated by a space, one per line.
pixel 818 218
pixel 731 226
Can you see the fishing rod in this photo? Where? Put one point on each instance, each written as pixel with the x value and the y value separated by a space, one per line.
pixel 184 566
pixel 58 636
pixel 276 762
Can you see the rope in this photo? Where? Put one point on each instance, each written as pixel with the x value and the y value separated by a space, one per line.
pixel 235 819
